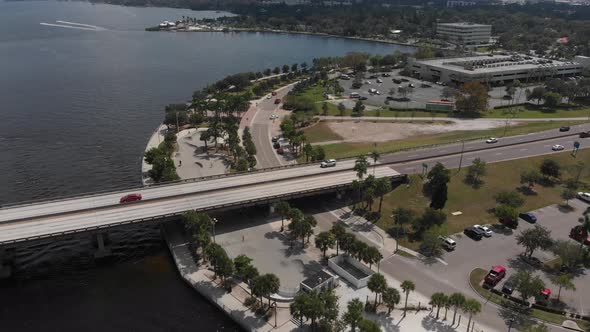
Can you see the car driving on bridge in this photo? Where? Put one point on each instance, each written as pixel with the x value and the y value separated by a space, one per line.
pixel 328 163
pixel 130 198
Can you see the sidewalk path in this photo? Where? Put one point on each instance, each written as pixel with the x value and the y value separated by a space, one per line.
pixel 155 140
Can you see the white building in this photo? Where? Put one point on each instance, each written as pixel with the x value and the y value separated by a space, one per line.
pixel 495 69
pixel 467 34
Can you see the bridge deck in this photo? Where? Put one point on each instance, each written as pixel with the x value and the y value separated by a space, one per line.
pixel 67 216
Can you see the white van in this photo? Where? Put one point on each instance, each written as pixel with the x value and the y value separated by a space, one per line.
pixel 354 95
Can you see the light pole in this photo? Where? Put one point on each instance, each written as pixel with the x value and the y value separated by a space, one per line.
pixel 396 234
pixel 215 221
pixel 511 320
pixel 462 149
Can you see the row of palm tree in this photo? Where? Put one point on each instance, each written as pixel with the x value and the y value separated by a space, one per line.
pixel 319 307
pixel 456 301
pixel 369 188
pixel 301 226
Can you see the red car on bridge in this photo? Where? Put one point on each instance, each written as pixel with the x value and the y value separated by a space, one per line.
pixel 130 198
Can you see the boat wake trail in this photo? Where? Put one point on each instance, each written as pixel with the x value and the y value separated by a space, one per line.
pixel 73 25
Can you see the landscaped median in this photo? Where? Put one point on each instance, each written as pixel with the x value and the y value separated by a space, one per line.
pixel 538 312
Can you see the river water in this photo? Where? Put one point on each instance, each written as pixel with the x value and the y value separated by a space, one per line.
pixel 77 106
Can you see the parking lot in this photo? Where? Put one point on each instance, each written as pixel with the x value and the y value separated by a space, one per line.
pixel 502 249
pixel 419 96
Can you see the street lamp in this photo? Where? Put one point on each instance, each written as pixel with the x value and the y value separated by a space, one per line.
pixel 215 221
pixel 511 320
pixel 462 150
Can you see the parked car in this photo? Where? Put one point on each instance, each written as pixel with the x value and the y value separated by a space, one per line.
pixel 130 198
pixel 411 85
pixel 345 77
pixel 275 139
pixel 377 92
pixel 274 116
pixel 269 96
pixel 354 95
pixel 487 232
pixel 274 93
pixel 585 134
pixel 577 233
pixel 373 76
pixel 557 147
pixel 379 80
pixel 532 261
pixel 280 151
pixel 386 74
pixel 328 163
pixel 405 80
pixel 276 145
pixel 389 98
pixel 528 217
pixel 448 243
pixel 277 101
pixel 396 80
pixel 545 293
pixel 363 98
pixel 496 274
pixel 424 85
pixel 372 91
pixel 584 196
pixel 492 140
pixel 473 233
pixel 564 128
pixel 509 286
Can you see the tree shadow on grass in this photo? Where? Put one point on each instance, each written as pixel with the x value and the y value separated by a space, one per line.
pixel 516 315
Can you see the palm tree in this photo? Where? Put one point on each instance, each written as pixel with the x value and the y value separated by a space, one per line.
pixel 407 287
pixel 360 167
pixel 456 300
pixel 354 314
pixel 338 230
pixel 298 306
pixel 446 304
pixel 401 216
pixel 356 187
pixel 382 187
pixel 471 307
pixel 437 300
pixel 375 156
pixel 377 284
pixel 282 208
pixel 325 240
pixel 391 297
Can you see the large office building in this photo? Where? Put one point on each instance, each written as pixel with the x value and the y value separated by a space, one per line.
pixel 466 34
pixel 494 69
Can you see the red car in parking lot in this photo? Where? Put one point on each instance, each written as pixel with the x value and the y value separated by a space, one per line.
pixel 130 198
pixel 495 275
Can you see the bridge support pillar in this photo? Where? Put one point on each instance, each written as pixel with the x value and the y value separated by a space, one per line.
pixel 102 247
pixel 5 266
pixel 271 209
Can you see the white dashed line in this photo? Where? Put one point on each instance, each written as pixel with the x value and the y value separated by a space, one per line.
pixel 498 153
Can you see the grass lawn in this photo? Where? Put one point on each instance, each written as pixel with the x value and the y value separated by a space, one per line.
pixel 534 112
pixel 343 150
pixel 320 132
pixel 476 203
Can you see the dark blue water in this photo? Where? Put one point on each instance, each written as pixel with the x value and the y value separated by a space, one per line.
pixel 76 110
pixel 77 107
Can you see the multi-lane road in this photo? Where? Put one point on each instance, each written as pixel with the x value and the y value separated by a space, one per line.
pixel 36 220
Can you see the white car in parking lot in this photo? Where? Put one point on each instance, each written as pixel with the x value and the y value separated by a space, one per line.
pixel 557 147
pixel 487 232
pixel 584 196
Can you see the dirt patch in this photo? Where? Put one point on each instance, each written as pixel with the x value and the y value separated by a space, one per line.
pixel 367 131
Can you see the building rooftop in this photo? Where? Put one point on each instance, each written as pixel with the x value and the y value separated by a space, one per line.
pixel 317 279
pixel 464 24
pixel 495 63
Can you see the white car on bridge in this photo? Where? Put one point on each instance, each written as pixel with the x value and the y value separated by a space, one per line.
pixel 328 163
pixel 557 147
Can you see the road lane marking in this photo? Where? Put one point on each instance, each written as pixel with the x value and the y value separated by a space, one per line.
pixel 523 149
pixel 498 153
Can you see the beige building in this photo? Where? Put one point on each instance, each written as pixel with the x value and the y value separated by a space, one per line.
pixel 466 34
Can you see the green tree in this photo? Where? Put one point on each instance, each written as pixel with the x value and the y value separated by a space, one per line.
pixel 282 208
pixel 360 167
pixel 505 212
pixel 265 285
pixel 354 314
pixel 471 307
pixel 307 151
pixel 377 284
pixel 367 325
pixel 552 99
pixel 429 219
pixel 285 69
pixel 407 286
pixel 550 168
pixel 535 238
pixel 325 241
pixel 438 300
pixel 564 280
pixel 373 256
pixel 529 178
pixel 510 198
pixel 472 97
pixel 299 306
pixel 358 108
pixel 324 108
pixel 438 178
pixel 318 153
pixel 456 300
pixel 527 284
pixel 568 194
pixel 391 297
pixel 475 172
pixel 243 268
pixel 571 254
pixel 431 244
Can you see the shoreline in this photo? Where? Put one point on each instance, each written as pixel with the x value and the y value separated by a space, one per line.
pixel 318 34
